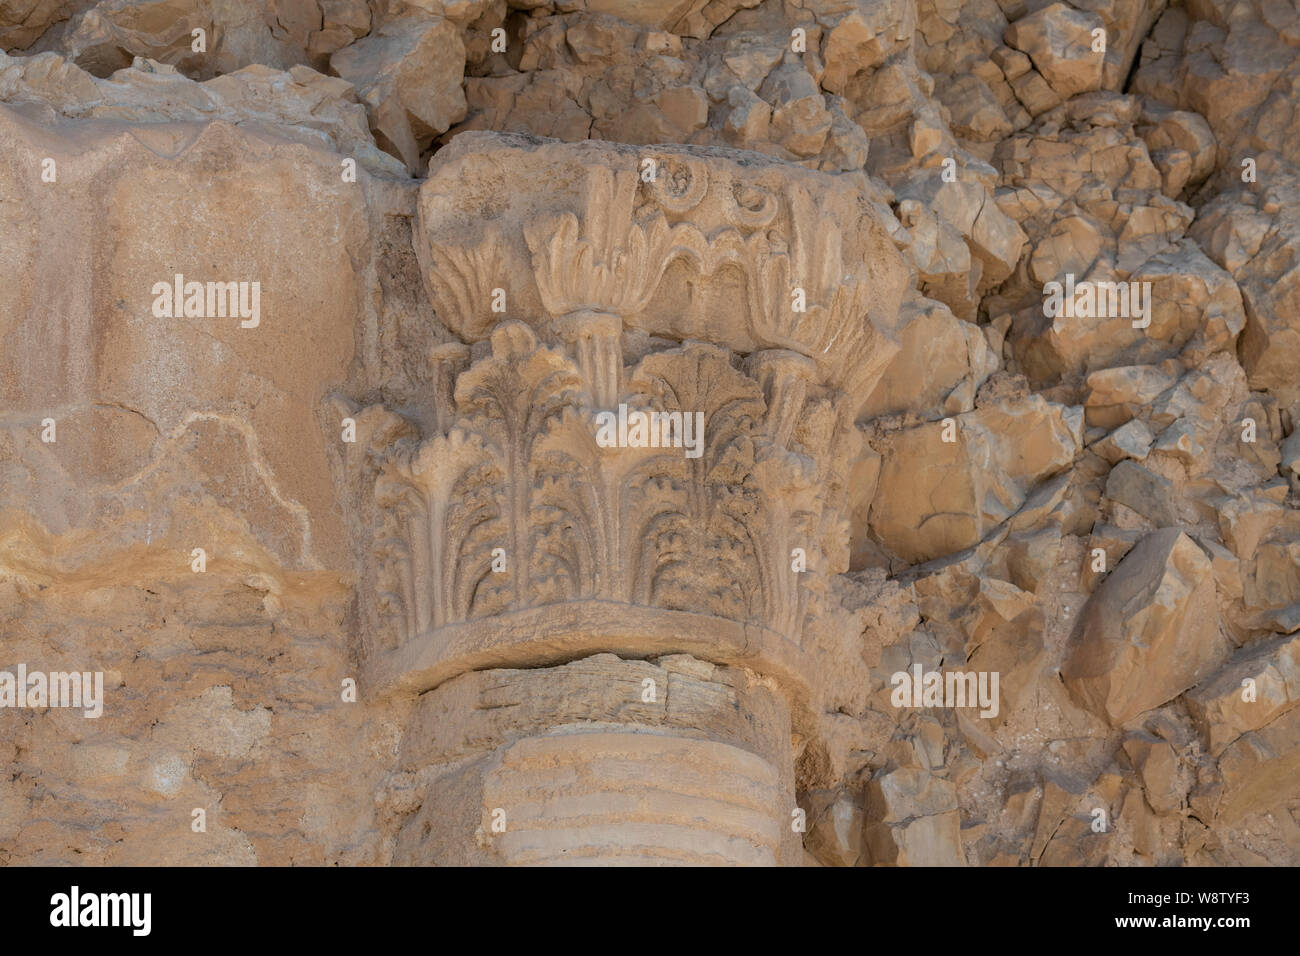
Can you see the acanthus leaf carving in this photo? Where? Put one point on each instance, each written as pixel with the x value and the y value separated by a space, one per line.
pixel 511 398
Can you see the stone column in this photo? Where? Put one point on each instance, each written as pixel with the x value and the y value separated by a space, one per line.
pixel 608 645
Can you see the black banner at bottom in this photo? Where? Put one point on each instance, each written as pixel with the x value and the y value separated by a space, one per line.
pixel 332 907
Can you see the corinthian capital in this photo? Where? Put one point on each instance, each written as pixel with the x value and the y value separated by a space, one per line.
pixel 645 449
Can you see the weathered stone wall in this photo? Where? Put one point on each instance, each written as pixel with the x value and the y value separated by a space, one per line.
pixel 436 621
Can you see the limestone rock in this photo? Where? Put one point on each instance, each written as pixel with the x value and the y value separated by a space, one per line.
pixel 835 837
pixel 1235 70
pixel 23 21
pixel 1255 687
pixel 1181 143
pixel 1149 632
pixel 1133 440
pixel 409 75
pixel 300 105
pixel 860 40
pixel 1139 489
pixel 111 33
pixel 941 364
pixel 1259 769
pixel 912 821
pixel 1156 762
pixel 1255 242
pixel 937 496
pixel 1059 40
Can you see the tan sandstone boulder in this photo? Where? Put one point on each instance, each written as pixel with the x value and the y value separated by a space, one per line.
pixel 1149 632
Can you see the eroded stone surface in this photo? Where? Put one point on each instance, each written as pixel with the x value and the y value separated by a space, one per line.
pixel 831 228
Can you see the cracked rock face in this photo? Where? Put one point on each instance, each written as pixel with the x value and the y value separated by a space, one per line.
pixel 745 432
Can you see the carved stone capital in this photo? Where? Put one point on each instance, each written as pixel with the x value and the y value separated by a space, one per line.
pixel 679 491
